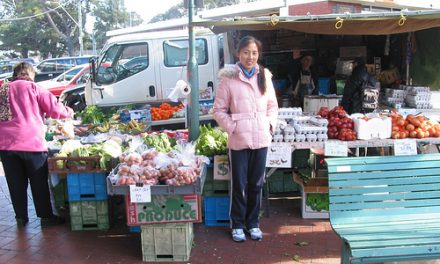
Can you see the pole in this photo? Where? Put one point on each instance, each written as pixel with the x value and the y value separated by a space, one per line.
pixel 80 37
pixel 193 77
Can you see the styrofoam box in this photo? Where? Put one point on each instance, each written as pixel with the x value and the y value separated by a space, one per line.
pixel 374 128
pixel 312 104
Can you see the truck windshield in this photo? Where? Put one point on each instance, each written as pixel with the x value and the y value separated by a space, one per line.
pixel 176 52
pixel 122 61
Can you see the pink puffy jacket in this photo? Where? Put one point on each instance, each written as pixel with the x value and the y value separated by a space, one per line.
pixel 242 111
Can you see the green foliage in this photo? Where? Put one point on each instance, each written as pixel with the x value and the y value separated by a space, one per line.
pixel 211 141
pixel 318 201
pixel 161 142
pixel 92 115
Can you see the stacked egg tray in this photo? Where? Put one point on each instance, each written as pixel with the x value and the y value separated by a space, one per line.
pixel 418 97
pixel 302 129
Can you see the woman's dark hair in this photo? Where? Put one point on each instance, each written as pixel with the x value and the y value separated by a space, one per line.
pixel 23 71
pixel 244 42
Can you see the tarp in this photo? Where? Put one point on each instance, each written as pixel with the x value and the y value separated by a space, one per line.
pixel 334 24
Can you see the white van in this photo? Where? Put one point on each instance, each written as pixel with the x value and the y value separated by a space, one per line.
pixel 144 67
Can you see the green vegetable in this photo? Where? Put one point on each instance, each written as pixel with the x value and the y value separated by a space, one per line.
pixel 318 201
pixel 92 115
pixel 212 141
pixel 161 142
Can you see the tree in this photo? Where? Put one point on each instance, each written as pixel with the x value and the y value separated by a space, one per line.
pixel 110 15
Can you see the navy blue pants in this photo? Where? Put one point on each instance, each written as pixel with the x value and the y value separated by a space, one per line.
pixel 248 170
pixel 22 168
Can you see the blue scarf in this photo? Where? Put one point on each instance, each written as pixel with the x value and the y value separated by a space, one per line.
pixel 246 73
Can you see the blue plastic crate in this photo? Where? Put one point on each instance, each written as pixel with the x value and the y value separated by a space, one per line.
pixel 324 85
pixel 216 211
pixel 90 186
pixel 134 229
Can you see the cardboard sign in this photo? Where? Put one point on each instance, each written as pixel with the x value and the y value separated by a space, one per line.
pixel 164 209
pixel 140 194
pixel 333 148
pixel 405 147
pixel 279 155
pixel 221 168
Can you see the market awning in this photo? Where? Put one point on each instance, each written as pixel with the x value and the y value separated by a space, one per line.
pixel 334 24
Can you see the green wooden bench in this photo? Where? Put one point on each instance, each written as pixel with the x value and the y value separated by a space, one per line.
pixel 386 208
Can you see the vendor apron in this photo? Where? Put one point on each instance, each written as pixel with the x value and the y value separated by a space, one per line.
pixel 305 86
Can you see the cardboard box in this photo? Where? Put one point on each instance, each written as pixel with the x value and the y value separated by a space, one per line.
pixel 374 128
pixel 221 168
pixel 313 103
pixel 164 209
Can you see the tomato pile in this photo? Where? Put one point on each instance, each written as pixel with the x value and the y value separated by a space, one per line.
pixel 340 126
pixel 413 127
pixel 164 111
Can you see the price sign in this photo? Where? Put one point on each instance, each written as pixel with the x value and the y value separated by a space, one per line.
pixel 279 155
pixel 140 194
pixel 333 148
pixel 405 147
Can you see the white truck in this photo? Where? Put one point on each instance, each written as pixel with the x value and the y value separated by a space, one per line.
pixel 144 67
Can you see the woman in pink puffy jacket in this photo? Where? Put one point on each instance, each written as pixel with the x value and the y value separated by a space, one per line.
pixel 23 107
pixel 246 108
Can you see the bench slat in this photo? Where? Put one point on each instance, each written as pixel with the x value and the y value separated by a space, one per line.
pixel 385 205
pixel 398 241
pixel 384 174
pixel 380 159
pixel 434 228
pixel 396 251
pixel 382 189
pixel 383 166
pixel 403 220
pixel 385 196
pixel 405 235
pixel 410 181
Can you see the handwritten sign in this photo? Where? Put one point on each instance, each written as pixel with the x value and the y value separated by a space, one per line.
pixel 405 147
pixel 140 194
pixel 279 155
pixel 334 148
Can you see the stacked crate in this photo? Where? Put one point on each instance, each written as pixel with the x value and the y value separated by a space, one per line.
pixel 86 191
pixel 216 193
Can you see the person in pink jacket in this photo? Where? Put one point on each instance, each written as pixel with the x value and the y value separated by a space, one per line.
pixel 246 108
pixel 23 107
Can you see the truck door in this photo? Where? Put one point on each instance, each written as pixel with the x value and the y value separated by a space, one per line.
pixel 173 65
pixel 125 74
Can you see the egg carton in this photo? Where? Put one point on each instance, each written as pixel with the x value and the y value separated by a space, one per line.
pixel 418 98
pixel 289 130
pixel 420 105
pixel 310 129
pixel 289 138
pixel 289 112
pixel 417 89
pixel 322 137
pixel 394 100
pixel 278 138
pixel 278 132
pixel 319 121
pixel 395 93
pixel 300 120
pixel 311 138
pixel 300 138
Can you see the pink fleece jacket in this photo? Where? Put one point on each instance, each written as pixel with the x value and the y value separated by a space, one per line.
pixel 30 104
pixel 242 111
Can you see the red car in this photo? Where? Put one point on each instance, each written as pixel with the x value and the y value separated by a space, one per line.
pixel 77 75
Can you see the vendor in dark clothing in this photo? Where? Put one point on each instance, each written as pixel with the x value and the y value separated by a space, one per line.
pixel 352 98
pixel 302 78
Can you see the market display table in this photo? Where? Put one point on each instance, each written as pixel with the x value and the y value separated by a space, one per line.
pixel 386 208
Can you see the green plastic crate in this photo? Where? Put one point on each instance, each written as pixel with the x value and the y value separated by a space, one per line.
pixel 282 181
pixel 167 242
pixel 301 158
pixel 89 215
pixel 214 187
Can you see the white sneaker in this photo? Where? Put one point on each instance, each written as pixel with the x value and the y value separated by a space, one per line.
pixel 256 233
pixel 238 235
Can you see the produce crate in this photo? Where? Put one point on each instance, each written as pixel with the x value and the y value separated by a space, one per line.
pixel 88 186
pixel 164 209
pixel 74 164
pixel 89 215
pixel 301 158
pixel 215 187
pixel 194 188
pixel 216 210
pixel 60 194
pixel 282 181
pixel 167 242
pixel 314 185
pixel 134 229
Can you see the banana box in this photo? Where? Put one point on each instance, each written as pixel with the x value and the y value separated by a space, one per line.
pixel 141 115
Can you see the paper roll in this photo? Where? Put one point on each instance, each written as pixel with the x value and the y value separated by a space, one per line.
pixel 183 87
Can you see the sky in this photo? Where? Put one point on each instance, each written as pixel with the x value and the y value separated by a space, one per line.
pixel 153 8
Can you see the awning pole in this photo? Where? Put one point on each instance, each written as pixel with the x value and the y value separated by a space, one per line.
pixel 193 77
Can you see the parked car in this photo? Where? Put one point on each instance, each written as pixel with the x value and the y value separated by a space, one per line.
pixel 51 68
pixel 74 97
pixel 71 78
